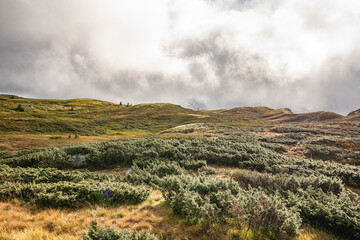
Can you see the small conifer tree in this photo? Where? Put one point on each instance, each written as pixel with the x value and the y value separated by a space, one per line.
pixel 19 108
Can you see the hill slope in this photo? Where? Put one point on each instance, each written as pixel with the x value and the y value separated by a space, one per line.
pixel 87 116
pixel 95 117
pixel 354 115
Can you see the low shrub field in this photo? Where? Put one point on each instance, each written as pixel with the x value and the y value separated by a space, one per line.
pixel 222 152
pixel 268 195
pixel 272 206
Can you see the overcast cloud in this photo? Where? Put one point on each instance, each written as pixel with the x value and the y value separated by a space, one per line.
pixel 304 55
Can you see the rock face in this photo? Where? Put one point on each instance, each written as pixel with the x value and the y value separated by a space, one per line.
pixel 287 110
pixel 79 160
pixel 353 116
pixel 353 113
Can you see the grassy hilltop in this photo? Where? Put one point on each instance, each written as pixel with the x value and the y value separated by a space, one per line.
pixel 94 117
pixel 243 173
pixel 87 116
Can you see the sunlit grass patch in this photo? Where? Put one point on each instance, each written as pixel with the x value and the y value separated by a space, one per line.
pixel 310 233
pixel 36 234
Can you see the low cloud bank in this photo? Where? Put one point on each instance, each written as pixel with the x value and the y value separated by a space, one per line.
pixel 200 53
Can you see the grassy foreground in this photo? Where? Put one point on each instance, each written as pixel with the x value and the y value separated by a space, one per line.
pixel 23 222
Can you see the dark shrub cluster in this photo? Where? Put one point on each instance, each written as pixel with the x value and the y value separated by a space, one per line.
pixel 336 213
pixel 323 152
pixel 152 171
pixel 343 150
pixel 193 165
pixel 286 182
pixel 55 188
pixel 282 139
pixel 72 195
pixel 211 200
pixel 96 232
pixel 43 157
pixel 350 175
pixel 267 215
pixel 292 129
pixel 321 201
pixel 279 148
pixel 49 175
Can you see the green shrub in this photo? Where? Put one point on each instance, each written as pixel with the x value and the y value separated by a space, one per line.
pixel 285 182
pixel 267 215
pixel 321 201
pixel 40 158
pixel 97 232
pixel 280 148
pixel 73 195
pixel 19 108
pixel 191 196
pixel 212 200
pixel 336 213
pixel 49 175
pixel 55 137
pixel 334 153
pixel 48 187
pixel 282 139
pixel 152 170
pixel 193 165
pixel 350 175
pixel 206 171
pixel 323 152
pixel 291 129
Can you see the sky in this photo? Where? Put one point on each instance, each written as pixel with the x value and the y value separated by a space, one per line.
pixel 207 54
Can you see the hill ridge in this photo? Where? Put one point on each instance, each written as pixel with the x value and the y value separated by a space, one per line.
pixel 89 116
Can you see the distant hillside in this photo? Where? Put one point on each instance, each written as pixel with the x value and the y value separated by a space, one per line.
pixel 278 115
pixel 320 116
pixel 354 115
pixel 87 116
pixel 255 113
pixel 95 117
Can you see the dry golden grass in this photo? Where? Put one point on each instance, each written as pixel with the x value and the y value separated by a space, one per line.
pixel 267 133
pixel 297 151
pixel 16 142
pixel 20 221
pixel 310 233
pixel 118 170
pixel 183 136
